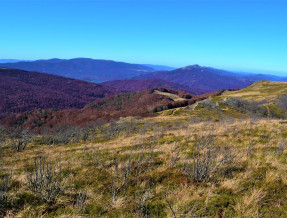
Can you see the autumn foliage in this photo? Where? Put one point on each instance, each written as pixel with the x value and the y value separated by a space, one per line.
pixel 22 91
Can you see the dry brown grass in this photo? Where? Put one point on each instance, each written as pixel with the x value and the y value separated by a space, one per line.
pixel 245 192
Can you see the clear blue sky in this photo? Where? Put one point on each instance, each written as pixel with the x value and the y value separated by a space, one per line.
pixel 232 34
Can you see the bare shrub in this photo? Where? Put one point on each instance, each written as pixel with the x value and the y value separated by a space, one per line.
pixel 81 198
pixel 3 135
pixel 96 156
pixel 118 181
pixel 47 180
pixel 111 131
pixel 174 157
pixel 126 172
pixel 143 163
pixel 19 140
pixel 169 203
pixel 5 188
pixel 281 148
pixel 145 128
pixel 5 181
pixel 208 104
pixel 114 129
pixel 65 135
pixel 209 162
pixel 127 127
pixel 250 149
pixel 158 132
pixel 141 198
pixel 253 108
pixel 201 167
pixel 228 161
pixel 282 102
pixel 121 176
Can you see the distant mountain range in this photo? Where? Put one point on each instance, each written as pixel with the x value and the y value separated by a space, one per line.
pixel 83 68
pixel 22 91
pixel 40 96
pixel 43 98
pixel 194 76
pixel 257 77
pixel 159 67
pixel 8 60
pixel 202 78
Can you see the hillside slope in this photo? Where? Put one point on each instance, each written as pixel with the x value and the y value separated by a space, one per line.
pixel 140 85
pixel 173 165
pixel 22 91
pixel 83 68
pixel 258 91
pixel 262 99
pixel 137 104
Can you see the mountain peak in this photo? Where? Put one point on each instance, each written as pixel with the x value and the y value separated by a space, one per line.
pixel 191 67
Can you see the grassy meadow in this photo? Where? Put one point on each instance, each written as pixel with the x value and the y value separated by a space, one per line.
pixel 211 159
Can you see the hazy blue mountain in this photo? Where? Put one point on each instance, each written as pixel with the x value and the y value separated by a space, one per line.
pixel 205 79
pixel 83 68
pixel 9 60
pixel 258 77
pixel 159 67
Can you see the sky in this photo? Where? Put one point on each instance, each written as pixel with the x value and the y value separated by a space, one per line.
pixel 238 35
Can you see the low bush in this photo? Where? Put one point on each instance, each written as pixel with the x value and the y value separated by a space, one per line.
pixel 19 139
pixel 208 163
pixel 251 108
pixel 47 180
